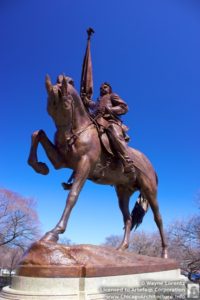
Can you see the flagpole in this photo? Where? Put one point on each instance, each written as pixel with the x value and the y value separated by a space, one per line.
pixel 86 86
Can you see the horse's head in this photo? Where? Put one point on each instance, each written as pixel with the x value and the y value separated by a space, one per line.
pixel 59 104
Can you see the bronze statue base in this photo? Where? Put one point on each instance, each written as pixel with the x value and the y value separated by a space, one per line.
pixel 51 271
pixel 45 259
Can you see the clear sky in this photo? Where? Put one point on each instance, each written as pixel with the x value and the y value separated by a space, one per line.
pixel 150 52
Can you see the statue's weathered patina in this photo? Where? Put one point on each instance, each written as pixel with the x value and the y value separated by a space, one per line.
pixel 90 139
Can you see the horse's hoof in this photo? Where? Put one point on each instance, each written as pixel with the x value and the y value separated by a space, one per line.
pixel 50 237
pixel 39 167
pixel 122 247
pixel 164 254
pixel 42 168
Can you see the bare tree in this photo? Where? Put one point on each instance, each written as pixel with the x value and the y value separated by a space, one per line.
pixel 146 243
pixel 184 240
pixel 10 257
pixel 140 243
pixel 18 219
pixel 113 241
pixel 19 227
pixel 65 241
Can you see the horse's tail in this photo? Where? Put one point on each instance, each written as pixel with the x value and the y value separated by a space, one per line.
pixel 139 211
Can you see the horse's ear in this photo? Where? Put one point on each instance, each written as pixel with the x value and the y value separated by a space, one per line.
pixel 48 84
pixel 64 87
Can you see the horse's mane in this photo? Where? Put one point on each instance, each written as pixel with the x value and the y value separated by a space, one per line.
pixel 76 97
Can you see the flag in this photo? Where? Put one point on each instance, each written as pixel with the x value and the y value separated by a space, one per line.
pixel 86 88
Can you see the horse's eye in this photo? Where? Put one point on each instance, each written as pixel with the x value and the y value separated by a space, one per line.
pixel 71 82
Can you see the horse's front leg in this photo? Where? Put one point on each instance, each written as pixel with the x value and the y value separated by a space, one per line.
pixel 80 175
pixel 39 136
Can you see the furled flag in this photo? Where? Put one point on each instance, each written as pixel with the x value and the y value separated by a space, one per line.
pixel 86 89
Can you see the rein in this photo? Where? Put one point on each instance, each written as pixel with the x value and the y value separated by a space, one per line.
pixel 73 135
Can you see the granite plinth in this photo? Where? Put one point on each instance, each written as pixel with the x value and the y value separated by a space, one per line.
pixel 90 288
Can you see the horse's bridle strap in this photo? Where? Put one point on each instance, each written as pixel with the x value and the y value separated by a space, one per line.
pixel 82 130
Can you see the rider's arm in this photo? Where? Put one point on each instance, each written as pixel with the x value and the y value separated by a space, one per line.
pixel 119 107
pixel 89 103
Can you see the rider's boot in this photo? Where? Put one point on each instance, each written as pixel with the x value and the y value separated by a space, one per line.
pixel 126 136
pixel 68 185
pixel 121 148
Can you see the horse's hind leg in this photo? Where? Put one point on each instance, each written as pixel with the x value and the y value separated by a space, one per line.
pixel 158 219
pixel 124 194
pixel 51 151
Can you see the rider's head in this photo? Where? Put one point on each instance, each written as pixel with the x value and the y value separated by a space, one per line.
pixel 105 88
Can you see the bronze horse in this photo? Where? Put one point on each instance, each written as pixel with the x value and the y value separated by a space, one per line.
pixel 77 146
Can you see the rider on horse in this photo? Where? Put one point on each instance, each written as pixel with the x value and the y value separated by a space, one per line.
pixel 106 112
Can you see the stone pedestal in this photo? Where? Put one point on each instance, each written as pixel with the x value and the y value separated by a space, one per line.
pixel 86 272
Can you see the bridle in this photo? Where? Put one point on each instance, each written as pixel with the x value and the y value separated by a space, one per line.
pixel 73 134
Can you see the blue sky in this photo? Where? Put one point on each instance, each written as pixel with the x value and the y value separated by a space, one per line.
pixel 150 53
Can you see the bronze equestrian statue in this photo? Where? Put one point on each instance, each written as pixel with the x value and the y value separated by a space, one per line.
pixel 78 146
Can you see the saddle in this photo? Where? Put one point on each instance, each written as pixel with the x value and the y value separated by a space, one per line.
pixel 101 125
pixel 105 142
